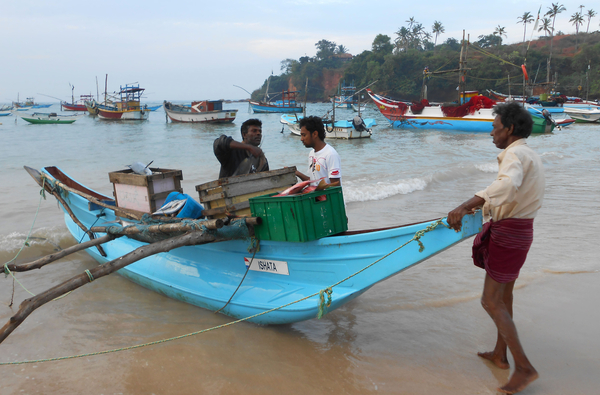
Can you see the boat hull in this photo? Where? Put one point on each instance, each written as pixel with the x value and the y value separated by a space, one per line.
pixel 584 115
pixel 266 108
pixel 127 115
pixel 341 130
pixel 48 121
pixel 73 107
pixel 225 116
pixel 208 275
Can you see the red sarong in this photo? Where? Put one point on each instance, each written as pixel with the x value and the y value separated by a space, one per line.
pixel 501 247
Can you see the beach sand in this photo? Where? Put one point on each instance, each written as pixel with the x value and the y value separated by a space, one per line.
pixel 557 317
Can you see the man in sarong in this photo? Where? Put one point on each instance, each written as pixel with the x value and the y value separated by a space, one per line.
pixel 512 202
pixel 243 157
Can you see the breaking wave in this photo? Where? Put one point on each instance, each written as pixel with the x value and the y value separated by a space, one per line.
pixel 355 191
pixel 488 167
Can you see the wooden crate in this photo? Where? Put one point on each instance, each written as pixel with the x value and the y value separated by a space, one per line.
pixel 231 194
pixel 144 193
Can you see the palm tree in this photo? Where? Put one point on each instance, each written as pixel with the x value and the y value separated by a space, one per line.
pixel 437 29
pixel 553 12
pixel 576 19
pixel 545 26
pixel 411 21
pixel 341 49
pixel 500 31
pixel 402 40
pixel 525 19
pixel 590 14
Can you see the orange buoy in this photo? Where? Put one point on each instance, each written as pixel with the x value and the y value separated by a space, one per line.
pixel 525 72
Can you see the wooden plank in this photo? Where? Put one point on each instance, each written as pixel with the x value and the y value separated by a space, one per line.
pixel 283 182
pixel 245 177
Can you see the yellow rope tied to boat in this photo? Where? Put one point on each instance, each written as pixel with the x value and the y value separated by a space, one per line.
pixel 328 291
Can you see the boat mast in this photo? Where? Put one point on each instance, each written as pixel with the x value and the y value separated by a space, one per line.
pixel 105 88
pixel 305 93
pixel 267 90
pixel 461 78
pixel 97 91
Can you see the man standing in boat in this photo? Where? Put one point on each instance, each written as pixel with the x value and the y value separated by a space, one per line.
pixel 241 158
pixel 323 159
pixel 512 201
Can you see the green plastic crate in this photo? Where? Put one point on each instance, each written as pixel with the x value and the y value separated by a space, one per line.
pixel 300 217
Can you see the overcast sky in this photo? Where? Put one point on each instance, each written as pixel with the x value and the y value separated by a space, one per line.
pixel 181 50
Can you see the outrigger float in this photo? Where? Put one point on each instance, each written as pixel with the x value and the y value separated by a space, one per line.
pixel 270 268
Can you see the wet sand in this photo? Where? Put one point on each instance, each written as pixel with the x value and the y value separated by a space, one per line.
pixel 431 351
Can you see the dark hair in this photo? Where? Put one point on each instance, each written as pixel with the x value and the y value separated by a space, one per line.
pixel 313 123
pixel 248 123
pixel 515 114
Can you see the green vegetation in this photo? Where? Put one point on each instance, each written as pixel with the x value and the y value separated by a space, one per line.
pixel 398 65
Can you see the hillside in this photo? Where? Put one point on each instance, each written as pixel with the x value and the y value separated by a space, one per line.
pixel 400 72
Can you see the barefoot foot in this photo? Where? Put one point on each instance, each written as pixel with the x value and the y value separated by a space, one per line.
pixel 499 361
pixel 518 381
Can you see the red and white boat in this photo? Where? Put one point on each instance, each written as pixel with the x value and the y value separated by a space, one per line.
pixel 78 105
pixel 128 108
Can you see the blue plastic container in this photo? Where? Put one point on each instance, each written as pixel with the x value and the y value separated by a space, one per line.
pixel 191 209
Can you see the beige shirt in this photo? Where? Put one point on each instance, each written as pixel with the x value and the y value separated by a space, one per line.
pixel 518 191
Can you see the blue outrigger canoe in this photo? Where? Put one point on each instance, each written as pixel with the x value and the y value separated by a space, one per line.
pixel 207 275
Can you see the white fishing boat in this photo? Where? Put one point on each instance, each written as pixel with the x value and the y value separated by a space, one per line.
pixel 584 115
pixel 343 129
pixel 205 111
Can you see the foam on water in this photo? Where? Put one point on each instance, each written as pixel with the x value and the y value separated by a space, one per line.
pixel 358 191
pixel 488 167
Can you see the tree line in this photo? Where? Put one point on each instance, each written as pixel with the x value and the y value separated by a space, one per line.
pixel 398 64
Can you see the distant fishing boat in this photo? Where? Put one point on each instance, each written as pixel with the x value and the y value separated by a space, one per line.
pixel 476 115
pixel 345 97
pixel 341 129
pixel 205 111
pixel 584 115
pixel 153 108
pixel 287 104
pixel 5 110
pixel 78 105
pixel 43 118
pixel 128 108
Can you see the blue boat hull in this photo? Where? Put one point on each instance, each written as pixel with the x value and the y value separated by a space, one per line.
pixel 461 125
pixel 261 108
pixel 207 275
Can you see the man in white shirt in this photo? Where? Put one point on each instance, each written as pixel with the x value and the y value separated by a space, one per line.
pixel 323 159
pixel 512 202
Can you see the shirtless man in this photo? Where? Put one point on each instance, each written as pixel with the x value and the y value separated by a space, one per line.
pixel 512 201
pixel 243 157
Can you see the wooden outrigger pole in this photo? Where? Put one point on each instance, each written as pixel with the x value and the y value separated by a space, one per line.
pixel 187 233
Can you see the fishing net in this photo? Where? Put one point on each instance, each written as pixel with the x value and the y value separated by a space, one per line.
pixel 417 107
pixel 475 104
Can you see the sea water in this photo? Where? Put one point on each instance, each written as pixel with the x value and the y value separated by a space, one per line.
pixel 396 338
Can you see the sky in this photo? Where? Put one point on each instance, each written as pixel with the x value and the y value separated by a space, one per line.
pixel 197 50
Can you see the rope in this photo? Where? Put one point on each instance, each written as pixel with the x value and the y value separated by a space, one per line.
pixel 90 277
pixel 491 55
pixel 255 247
pixel 321 294
pixel 26 243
